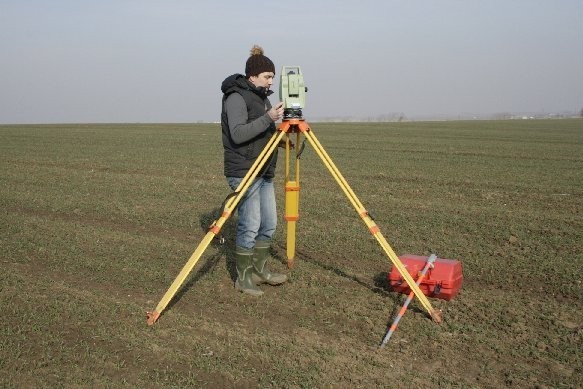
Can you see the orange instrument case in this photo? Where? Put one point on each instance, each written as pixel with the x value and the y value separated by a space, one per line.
pixel 442 281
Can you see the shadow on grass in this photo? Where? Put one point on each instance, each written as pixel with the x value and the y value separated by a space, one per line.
pixel 381 284
pixel 226 249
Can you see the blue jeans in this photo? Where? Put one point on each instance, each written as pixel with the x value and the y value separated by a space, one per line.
pixel 256 211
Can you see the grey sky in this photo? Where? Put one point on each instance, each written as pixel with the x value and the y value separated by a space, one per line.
pixel 164 61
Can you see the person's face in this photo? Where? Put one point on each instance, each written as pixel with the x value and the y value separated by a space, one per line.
pixel 262 80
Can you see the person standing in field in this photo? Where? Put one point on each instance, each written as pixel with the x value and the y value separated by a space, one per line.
pixel 248 122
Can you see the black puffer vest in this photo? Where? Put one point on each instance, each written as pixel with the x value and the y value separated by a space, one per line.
pixel 240 157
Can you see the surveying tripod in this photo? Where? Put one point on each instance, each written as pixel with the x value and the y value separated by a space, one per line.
pixel 287 127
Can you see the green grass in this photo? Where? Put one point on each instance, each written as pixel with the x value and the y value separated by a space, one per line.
pixel 96 221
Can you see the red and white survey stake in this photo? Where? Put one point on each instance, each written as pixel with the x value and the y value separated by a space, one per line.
pixel 428 264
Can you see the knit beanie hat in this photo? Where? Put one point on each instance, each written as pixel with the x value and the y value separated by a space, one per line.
pixel 257 63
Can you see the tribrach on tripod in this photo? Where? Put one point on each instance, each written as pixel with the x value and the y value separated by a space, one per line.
pixel 292 94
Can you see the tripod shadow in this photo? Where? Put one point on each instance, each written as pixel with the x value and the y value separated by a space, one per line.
pixel 380 286
pixel 226 250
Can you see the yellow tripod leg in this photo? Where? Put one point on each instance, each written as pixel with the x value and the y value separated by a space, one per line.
pixel 292 201
pixel 291 216
pixel 373 228
pixel 214 229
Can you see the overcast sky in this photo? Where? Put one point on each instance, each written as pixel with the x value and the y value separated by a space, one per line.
pixel 164 61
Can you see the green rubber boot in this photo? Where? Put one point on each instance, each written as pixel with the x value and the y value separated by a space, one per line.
pixel 245 270
pixel 261 275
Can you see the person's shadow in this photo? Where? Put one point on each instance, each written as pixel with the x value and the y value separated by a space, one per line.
pixel 226 249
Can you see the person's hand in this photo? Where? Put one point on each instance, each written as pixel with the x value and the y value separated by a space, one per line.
pixel 276 112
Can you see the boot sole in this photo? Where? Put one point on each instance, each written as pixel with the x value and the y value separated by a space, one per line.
pixel 258 280
pixel 250 292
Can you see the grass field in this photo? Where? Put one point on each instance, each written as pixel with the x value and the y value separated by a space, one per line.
pixel 96 221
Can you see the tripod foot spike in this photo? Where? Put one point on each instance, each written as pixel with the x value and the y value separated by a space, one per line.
pixel 152 317
pixel 436 315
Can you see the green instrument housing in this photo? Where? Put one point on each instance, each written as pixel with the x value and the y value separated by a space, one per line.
pixel 292 91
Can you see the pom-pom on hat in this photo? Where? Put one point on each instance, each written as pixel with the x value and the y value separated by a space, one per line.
pixel 258 63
